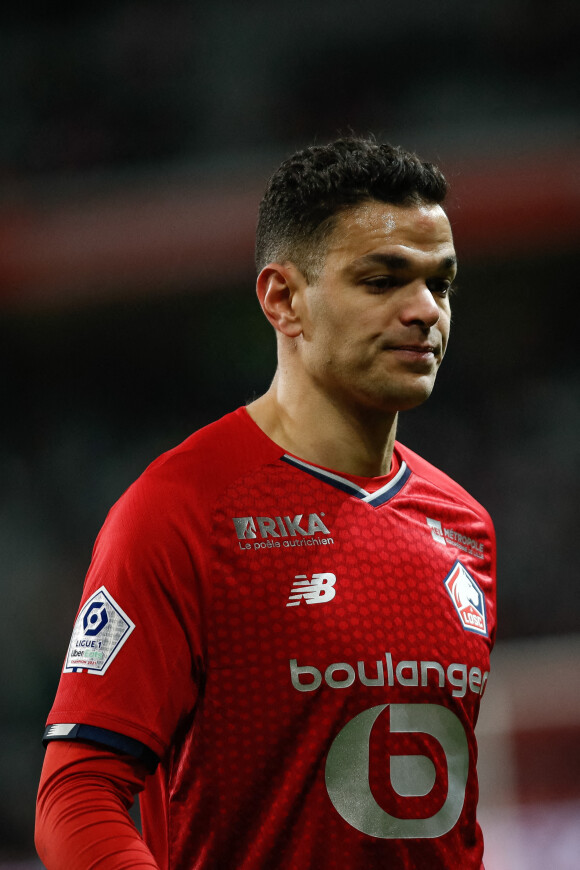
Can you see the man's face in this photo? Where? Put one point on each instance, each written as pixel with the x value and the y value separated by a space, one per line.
pixel 375 324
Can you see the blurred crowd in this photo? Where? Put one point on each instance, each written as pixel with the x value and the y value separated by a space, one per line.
pixel 125 83
pixel 90 394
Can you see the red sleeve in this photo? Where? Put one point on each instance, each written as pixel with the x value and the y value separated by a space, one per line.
pixel 82 818
pixel 146 571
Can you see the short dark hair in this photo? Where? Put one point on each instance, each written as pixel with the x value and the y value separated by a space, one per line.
pixel 312 187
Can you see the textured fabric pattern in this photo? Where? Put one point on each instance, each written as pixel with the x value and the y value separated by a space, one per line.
pixel 308 666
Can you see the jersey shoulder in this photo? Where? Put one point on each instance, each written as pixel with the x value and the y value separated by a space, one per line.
pixel 437 478
pixel 231 445
pixel 196 471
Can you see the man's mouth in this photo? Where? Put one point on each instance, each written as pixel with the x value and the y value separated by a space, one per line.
pixel 420 350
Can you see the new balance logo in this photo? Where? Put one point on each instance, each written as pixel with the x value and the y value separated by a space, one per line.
pixel 318 589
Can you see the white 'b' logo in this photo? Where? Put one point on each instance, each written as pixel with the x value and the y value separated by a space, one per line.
pixel 347 771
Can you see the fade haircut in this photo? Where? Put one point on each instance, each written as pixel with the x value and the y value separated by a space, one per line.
pixel 308 192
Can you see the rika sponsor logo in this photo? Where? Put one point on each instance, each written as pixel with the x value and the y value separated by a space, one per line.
pixel 265 533
pixel 318 590
pixel 449 536
pixel 467 598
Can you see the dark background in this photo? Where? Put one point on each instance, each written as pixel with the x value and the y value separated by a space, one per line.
pixel 136 141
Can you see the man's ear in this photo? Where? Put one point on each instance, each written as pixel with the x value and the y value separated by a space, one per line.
pixel 276 287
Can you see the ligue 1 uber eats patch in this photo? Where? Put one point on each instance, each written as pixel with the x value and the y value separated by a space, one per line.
pixel 101 629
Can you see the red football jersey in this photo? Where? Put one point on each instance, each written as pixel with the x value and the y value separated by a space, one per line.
pixel 304 656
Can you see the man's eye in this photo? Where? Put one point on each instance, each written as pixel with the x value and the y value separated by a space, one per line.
pixel 442 288
pixel 380 283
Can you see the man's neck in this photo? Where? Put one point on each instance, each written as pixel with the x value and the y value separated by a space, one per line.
pixel 315 428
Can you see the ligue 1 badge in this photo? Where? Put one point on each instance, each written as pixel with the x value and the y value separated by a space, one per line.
pixel 467 598
pixel 101 629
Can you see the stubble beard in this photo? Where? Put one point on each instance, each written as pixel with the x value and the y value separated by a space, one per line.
pixel 390 392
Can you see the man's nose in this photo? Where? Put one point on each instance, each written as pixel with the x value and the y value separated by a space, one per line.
pixel 420 306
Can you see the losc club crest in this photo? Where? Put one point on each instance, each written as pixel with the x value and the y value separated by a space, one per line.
pixel 467 598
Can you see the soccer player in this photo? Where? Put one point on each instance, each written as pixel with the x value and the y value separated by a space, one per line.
pixel 285 630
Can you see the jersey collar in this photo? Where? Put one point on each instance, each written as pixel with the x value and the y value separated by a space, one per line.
pixel 374 499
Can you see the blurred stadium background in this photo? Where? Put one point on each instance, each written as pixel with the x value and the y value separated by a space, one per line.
pixel 136 140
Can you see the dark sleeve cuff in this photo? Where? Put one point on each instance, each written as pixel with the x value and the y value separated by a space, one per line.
pixel 103 737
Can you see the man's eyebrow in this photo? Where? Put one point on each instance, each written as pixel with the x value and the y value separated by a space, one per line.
pixel 396 261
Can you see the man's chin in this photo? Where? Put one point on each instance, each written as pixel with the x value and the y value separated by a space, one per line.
pixel 408 396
